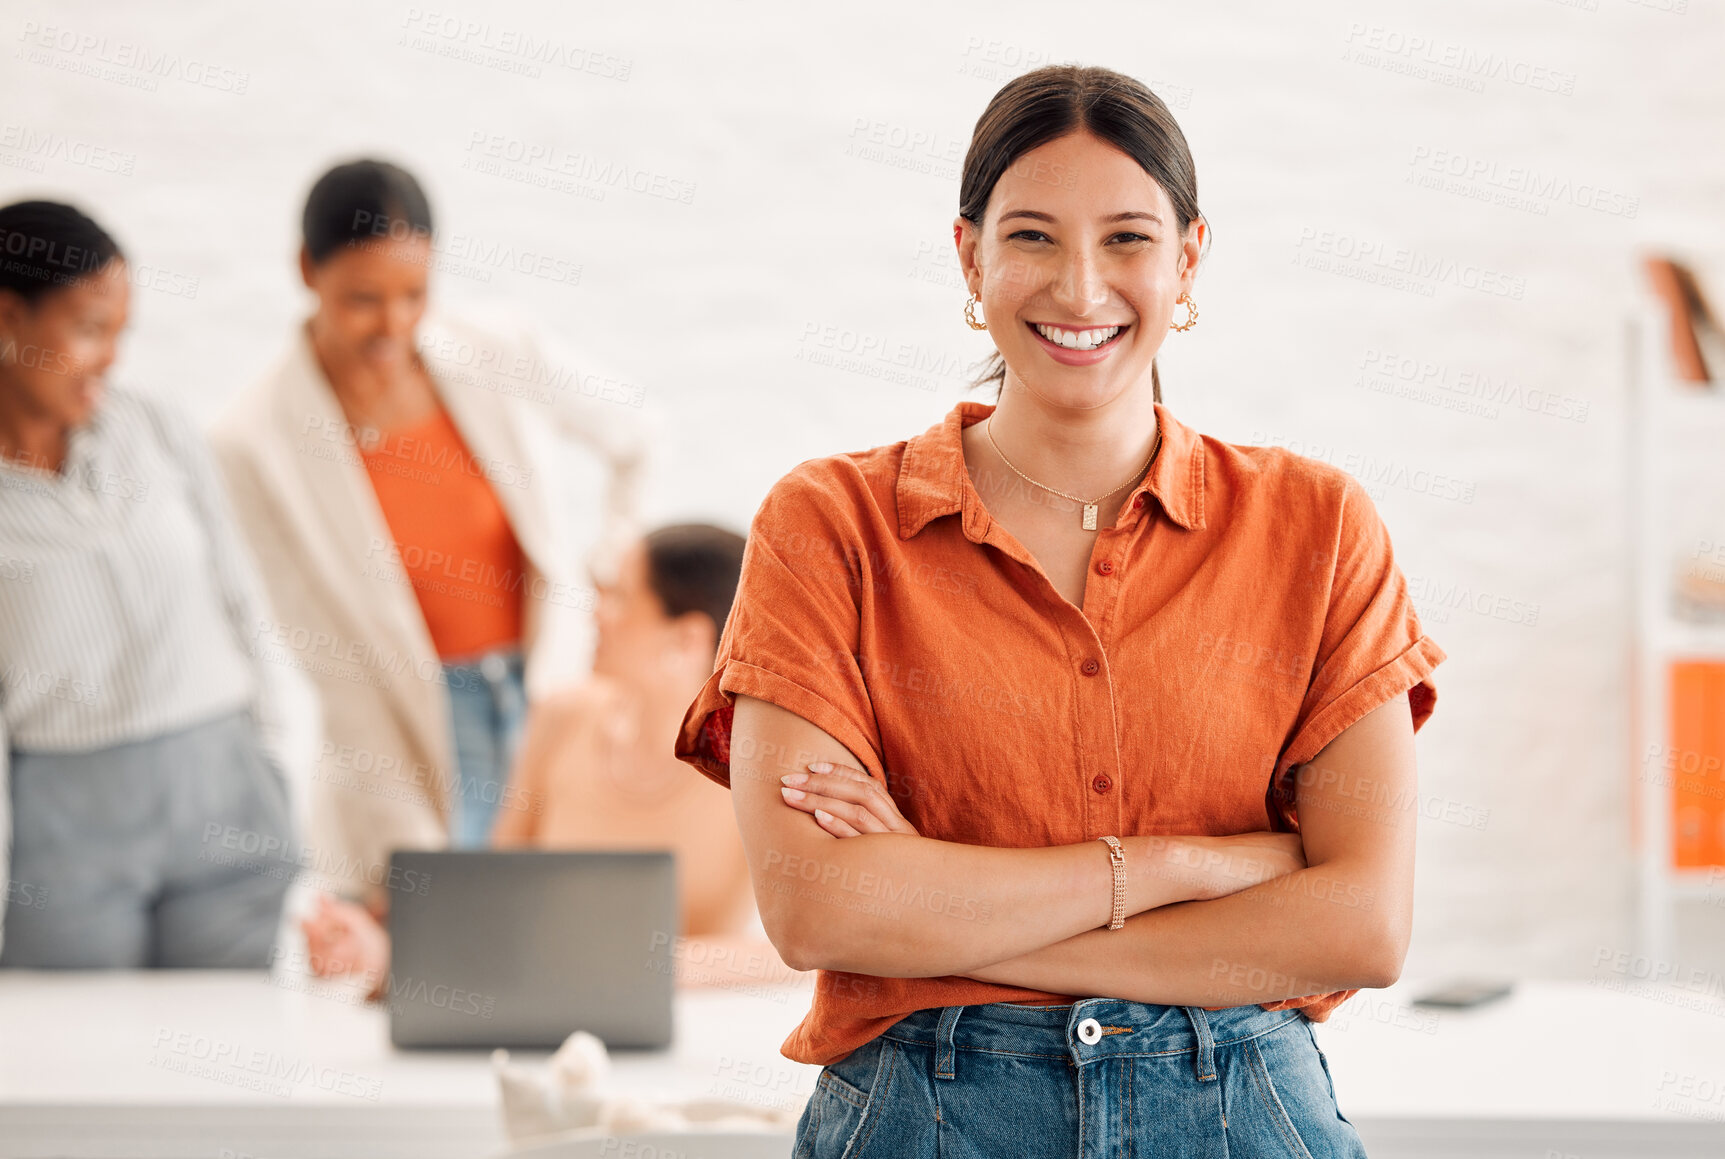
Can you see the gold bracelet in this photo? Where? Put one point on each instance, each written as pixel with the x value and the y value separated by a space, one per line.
pixel 1117 859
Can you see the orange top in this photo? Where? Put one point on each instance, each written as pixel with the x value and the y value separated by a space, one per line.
pixel 453 541
pixel 1243 610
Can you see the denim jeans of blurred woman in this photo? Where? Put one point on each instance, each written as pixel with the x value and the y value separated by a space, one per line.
pixel 1102 1077
pixel 488 703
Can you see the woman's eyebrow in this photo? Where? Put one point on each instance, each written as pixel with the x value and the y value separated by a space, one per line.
pixel 1038 215
pixel 1034 215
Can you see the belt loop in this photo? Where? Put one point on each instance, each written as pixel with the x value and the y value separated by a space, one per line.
pixel 1205 1064
pixel 945 1054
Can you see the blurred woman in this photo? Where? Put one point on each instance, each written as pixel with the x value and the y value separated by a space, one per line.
pixel 596 771
pixel 150 812
pixel 397 473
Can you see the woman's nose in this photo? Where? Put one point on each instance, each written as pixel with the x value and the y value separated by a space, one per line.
pixel 399 319
pixel 1078 287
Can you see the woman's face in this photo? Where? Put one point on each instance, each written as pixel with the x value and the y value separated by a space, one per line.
pixel 1078 262
pixel 633 631
pixel 370 298
pixel 55 353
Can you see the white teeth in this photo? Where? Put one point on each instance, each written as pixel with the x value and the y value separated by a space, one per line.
pixel 1077 339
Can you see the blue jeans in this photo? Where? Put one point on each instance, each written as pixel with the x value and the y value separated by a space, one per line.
pixel 1091 1080
pixel 487 704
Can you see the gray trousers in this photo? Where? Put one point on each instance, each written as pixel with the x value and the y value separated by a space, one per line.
pixel 171 851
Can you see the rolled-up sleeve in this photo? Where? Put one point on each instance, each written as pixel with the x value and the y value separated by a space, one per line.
pixel 792 635
pixel 1371 649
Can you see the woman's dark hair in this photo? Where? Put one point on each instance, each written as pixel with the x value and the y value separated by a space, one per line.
pixel 363 201
pixel 1048 103
pixel 45 246
pixel 693 567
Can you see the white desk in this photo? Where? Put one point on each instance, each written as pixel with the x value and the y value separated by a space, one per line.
pixel 1557 1070
pixel 236 1064
pixel 97 1065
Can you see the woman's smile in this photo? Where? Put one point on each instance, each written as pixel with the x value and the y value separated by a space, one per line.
pixel 1078 347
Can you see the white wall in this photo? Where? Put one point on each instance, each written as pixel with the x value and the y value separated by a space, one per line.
pixel 1302 126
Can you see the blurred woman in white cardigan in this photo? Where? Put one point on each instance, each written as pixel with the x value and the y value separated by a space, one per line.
pixel 400 476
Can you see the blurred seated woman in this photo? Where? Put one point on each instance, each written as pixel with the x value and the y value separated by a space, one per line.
pixel 596 769
pixel 149 809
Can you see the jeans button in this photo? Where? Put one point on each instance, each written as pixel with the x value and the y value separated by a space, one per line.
pixel 1090 1032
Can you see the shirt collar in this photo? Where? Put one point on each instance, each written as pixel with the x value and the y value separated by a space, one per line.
pixel 932 480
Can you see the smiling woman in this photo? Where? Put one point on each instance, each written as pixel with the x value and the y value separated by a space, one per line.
pixel 1001 170
pixel 1108 917
pixel 400 477
pixel 145 767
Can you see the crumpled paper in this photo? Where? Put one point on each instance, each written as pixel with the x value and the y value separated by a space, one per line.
pixel 567 1095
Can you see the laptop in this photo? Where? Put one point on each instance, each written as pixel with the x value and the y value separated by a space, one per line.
pixel 521 948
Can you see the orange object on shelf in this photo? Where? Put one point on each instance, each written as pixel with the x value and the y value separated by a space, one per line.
pixel 1687 309
pixel 1695 764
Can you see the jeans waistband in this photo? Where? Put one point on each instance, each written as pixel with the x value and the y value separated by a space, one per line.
pixel 1084 1031
pixel 489 668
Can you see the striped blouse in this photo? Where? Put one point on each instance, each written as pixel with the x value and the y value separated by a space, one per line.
pixel 127 601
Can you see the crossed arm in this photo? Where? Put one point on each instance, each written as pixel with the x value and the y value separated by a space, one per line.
pixel 1214 921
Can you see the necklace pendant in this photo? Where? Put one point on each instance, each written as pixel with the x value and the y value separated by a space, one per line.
pixel 1090 517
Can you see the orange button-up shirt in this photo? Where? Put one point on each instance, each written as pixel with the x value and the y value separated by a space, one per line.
pixel 1241 612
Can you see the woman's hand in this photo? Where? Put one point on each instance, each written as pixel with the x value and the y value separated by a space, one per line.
pixel 1243 860
pixel 845 802
pixel 344 940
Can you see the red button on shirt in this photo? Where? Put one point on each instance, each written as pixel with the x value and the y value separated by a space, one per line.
pixel 1106 567
pixel 1090 668
pixel 1138 500
pixel 1102 784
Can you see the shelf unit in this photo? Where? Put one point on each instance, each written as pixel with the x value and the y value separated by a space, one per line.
pixel 1676 440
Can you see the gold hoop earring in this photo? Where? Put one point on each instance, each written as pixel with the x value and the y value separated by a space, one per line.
pixel 970 315
pixel 1191 313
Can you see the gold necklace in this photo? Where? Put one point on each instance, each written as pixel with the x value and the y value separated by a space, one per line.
pixel 1089 518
